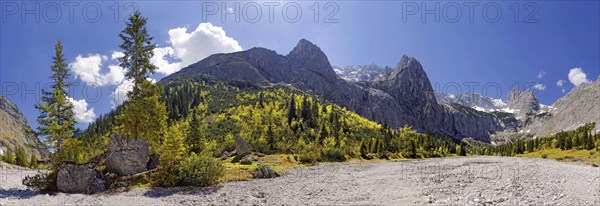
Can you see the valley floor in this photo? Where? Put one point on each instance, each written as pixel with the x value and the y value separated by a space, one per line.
pixel 478 180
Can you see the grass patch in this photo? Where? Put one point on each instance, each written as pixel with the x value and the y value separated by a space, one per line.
pixel 572 155
pixel 239 172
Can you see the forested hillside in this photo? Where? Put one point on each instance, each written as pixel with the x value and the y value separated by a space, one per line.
pixel 274 119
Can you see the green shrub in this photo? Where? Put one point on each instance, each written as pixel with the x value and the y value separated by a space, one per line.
pixel 544 156
pixel 38 182
pixel 333 154
pixel 200 170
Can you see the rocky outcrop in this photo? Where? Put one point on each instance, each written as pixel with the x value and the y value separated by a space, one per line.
pixel 126 156
pixel 524 103
pixel 13 131
pixel 359 73
pixel 79 179
pixel 400 96
pixel 242 147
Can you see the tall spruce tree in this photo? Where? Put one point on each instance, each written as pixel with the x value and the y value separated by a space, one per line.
pixel 144 116
pixel 56 120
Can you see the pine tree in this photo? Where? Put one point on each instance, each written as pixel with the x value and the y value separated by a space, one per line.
pixel 145 116
pixel 172 152
pixel 9 156
pixel 33 162
pixel 194 138
pixel 56 120
pixel 138 49
pixel 291 110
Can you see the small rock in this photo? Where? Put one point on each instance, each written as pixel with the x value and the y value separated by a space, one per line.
pixel 247 160
pixel 260 154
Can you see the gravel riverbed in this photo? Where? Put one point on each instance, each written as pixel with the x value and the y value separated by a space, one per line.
pixel 447 181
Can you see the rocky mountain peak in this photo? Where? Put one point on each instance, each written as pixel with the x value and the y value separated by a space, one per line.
pixel 525 102
pixel 309 56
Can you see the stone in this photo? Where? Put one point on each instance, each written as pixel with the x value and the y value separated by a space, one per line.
pixel 126 156
pixel 241 146
pixel 264 171
pixel 153 162
pixel 73 178
pixel 260 154
pixel 247 160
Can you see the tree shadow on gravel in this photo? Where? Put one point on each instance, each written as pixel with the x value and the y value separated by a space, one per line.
pixel 21 194
pixel 164 192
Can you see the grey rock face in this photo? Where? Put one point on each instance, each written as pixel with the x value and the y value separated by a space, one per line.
pixel 359 73
pixel 79 179
pixel 581 105
pixel 126 156
pixel 13 124
pixel 241 146
pixel 398 97
pixel 264 171
pixel 525 102
pixel 472 100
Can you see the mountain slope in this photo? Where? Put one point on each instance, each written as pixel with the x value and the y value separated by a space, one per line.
pixel 14 131
pixel 359 73
pixel 579 106
pixel 402 97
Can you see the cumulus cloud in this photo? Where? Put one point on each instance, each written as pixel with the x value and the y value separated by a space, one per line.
pixel 160 60
pixel 577 76
pixel 563 90
pixel 82 113
pixel 540 87
pixel 560 83
pixel 120 94
pixel 116 54
pixel 541 74
pixel 88 69
pixel 196 45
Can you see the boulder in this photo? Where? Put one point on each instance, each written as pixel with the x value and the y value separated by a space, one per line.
pixel 241 146
pixel 153 162
pixel 79 179
pixel 264 171
pixel 247 160
pixel 126 156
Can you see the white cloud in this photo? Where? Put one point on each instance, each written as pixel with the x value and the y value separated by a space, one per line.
pixel 82 113
pixel 563 90
pixel 541 74
pixel 88 70
pixel 206 40
pixel 560 83
pixel 120 94
pixel 116 54
pixel 577 76
pixel 540 87
pixel 160 60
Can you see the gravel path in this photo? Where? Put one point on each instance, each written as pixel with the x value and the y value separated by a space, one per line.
pixel 447 181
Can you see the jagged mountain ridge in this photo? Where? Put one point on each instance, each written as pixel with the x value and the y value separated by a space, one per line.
pixel 13 131
pixel 578 107
pixel 360 72
pixel 402 96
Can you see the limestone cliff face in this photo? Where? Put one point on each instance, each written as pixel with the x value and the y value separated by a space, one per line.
pixel 14 131
pixel 399 96
pixel 579 106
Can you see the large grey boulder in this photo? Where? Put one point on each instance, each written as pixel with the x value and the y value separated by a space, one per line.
pixel 79 179
pixel 126 156
pixel 241 146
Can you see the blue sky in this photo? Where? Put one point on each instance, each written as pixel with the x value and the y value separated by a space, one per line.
pixel 541 45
